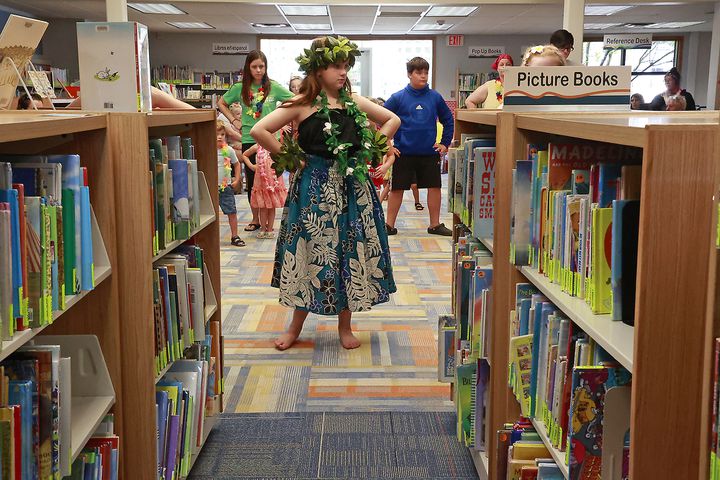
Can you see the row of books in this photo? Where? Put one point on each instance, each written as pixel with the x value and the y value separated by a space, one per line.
pixel 575 217
pixel 184 398
pixel 473 159
pixel 175 189
pixel 471 81
pixel 179 300
pixel 187 75
pixel 36 415
pixel 715 417
pixel 563 379
pixel 46 247
pixel 522 455
pixel 99 459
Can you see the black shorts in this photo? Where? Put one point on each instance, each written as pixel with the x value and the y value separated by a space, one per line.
pixel 249 174
pixel 421 169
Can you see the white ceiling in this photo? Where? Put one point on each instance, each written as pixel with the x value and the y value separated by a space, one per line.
pixel 235 16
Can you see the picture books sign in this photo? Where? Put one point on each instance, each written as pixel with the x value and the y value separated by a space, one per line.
pixel 567 88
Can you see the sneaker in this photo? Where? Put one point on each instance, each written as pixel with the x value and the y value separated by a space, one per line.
pixel 440 230
pixel 390 230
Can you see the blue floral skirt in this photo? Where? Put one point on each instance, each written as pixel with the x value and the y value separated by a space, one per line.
pixel 332 252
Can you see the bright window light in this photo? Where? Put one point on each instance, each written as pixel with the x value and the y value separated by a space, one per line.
pixel 191 25
pixel 605 9
pixel 441 11
pixel 162 8
pixel 305 10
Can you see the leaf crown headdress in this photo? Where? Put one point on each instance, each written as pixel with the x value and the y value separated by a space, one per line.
pixel 333 51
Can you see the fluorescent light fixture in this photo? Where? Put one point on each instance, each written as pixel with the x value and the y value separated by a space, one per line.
pixel 426 27
pixel 161 8
pixel 442 11
pixel 191 25
pixel 270 25
pixel 305 10
pixel 673 24
pixel 600 26
pixel 593 10
pixel 312 26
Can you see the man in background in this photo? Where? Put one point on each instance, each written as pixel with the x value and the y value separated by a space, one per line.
pixel 565 42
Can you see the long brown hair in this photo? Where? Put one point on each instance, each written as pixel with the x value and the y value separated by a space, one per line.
pixel 248 78
pixel 310 86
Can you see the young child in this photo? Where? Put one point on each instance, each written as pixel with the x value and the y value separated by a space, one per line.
pixel 332 255
pixel 228 179
pixel 269 191
pixel 543 56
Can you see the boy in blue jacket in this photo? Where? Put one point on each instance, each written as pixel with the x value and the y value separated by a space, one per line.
pixel 419 109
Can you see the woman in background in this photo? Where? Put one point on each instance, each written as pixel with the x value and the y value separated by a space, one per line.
pixel 245 104
pixel 637 102
pixel 490 93
pixel 294 85
pixel 672 88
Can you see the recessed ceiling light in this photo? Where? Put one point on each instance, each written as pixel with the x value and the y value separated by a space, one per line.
pixel 600 26
pixel 425 27
pixel 442 11
pixel 605 9
pixel 305 10
pixel 270 25
pixel 162 8
pixel 191 25
pixel 673 24
pixel 311 26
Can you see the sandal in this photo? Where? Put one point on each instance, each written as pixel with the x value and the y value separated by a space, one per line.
pixel 252 227
pixel 237 242
pixel 418 206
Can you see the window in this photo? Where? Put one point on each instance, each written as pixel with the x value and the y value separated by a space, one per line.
pixel 379 72
pixel 648 65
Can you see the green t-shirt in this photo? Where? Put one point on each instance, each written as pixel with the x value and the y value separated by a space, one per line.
pixel 233 98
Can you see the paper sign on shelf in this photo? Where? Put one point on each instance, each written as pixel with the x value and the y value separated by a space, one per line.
pixel 627 40
pixel 567 88
pixel 485 52
pixel 230 48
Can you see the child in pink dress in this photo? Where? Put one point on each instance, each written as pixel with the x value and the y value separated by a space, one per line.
pixel 268 193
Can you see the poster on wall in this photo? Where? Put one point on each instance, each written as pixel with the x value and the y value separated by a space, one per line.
pixel 567 88
pixel 230 48
pixel 485 52
pixel 627 41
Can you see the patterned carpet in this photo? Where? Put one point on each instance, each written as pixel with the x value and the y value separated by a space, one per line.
pixel 394 369
pixel 381 445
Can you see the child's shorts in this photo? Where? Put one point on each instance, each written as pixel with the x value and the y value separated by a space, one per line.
pixel 227 201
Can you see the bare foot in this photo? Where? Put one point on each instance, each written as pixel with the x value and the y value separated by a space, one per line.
pixel 348 340
pixel 286 340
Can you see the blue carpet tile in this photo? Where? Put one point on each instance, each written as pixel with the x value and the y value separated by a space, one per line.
pixel 378 445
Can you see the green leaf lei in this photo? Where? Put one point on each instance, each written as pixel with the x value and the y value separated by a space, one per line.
pixel 373 144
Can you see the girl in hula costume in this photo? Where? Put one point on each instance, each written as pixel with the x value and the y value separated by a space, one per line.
pixel 332 255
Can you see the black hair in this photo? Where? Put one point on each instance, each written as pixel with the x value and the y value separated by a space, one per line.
pixel 417 63
pixel 562 39
pixel 381 99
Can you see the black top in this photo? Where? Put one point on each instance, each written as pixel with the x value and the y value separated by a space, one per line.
pixel 311 137
pixel 658 103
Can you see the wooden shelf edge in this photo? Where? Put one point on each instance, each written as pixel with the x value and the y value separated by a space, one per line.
pixel 100 406
pixel 163 371
pixel 615 337
pixel 480 460
pixel 210 311
pixel 205 220
pixel 557 455
pixel 22 337
pixel 210 423
pixel 170 118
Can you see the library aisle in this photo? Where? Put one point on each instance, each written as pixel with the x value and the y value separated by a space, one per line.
pixel 319 411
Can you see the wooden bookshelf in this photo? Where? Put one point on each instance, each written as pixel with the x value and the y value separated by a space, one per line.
pixel 90 313
pixel 129 139
pixel 668 350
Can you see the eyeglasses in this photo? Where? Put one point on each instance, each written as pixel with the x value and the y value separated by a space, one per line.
pixel 571 48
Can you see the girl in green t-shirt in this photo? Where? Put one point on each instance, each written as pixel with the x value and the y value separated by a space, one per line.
pixel 246 103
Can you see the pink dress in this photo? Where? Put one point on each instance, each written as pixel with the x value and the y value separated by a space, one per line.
pixel 269 190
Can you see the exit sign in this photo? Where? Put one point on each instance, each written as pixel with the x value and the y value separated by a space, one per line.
pixel 455 40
